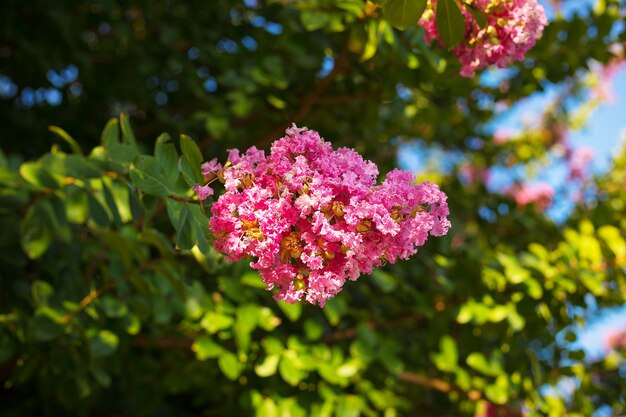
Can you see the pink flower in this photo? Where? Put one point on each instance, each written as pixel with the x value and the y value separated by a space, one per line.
pixel 312 217
pixel 615 339
pixel 512 28
pixel 210 167
pixel 501 137
pixel 579 161
pixel 540 194
pixel 203 191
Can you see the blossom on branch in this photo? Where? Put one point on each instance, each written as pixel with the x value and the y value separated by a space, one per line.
pixel 539 194
pixel 313 217
pixel 506 31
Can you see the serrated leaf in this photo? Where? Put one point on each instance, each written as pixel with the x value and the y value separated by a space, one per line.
pixel 403 13
pixel 450 23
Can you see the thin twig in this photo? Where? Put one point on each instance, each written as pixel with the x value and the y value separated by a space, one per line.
pixel 94 294
pixel 352 333
pixel 311 99
pixel 438 385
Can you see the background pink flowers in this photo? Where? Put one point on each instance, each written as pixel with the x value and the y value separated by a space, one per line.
pixel 510 29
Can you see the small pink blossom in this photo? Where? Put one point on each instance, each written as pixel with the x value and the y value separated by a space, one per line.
pixel 312 217
pixel 615 339
pixel 540 194
pixel 501 137
pixel 210 167
pixel 203 191
pixel 579 162
pixel 512 28
pixel 604 91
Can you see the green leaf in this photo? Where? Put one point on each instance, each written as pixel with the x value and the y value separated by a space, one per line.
pixel 498 393
pixel 110 200
pixel 450 22
pixel 127 132
pixel 37 175
pixel 111 133
pixel 213 322
pixel 184 236
pixel 314 19
pixel 113 308
pixel 193 155
pixel 479 16
pixel 36 230
pixel 122 153
pixel 246 322
pixel 230 366
pixel 403 13
pixel 188 172
pixel 205 348
pixel 268 367
pixel 167 157
pixel 46 324
pixel 447 357
pixel 253 279
pixel 101 376
pixel 478 362
pixel 97 213
pixel 146 175
pixel 103 343
pixel 76 205
pixel 385 281
pixel 289 370
pixel 74 146
pixel 79 167
pixel 41 291
pixel 292 311
pixel 371 45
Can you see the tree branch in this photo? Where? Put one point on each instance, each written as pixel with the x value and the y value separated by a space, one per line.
pixel 438 385
pixel 94 294
pixel 311 99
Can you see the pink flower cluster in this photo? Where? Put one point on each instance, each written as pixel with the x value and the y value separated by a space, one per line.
pixel 512 28
pixel 540 194
pixel 313 217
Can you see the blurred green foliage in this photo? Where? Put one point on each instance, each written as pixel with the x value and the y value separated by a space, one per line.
pixel 113 301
